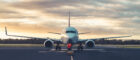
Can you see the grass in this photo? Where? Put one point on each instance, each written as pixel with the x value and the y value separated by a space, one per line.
pixel 21 45
pixel 130 46
pixel 122 46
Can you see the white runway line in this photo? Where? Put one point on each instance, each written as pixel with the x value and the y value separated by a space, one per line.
pixel 64 50
pixel 49 51
pixel 71 57
pixel 93 49
pixel 42 51
pixel 76 49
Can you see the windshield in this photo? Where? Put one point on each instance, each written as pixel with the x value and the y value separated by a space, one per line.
pixel 70 32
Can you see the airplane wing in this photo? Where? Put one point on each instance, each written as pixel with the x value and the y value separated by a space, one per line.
pixel 21 36
pixel 105 38
pixel 55 33
pixel 30 37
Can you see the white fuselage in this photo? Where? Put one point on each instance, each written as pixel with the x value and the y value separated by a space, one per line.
pixel 71 36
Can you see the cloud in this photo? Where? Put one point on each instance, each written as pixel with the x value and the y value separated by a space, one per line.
pixel 98 8
pixel 53 14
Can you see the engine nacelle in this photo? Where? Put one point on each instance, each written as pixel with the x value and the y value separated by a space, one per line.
pixel 48 43
pixel 90 44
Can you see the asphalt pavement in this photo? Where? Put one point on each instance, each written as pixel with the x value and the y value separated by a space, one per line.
pixel 41 53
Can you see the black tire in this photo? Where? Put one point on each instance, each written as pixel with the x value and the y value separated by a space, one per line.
pixel 58 48
pixel 80 48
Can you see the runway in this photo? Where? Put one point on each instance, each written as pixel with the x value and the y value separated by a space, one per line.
pixel 40 53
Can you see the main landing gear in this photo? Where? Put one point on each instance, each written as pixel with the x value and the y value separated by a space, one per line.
pixel 58 47
pixel 80 47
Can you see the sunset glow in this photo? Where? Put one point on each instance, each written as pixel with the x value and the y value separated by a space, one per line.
pixel 101 18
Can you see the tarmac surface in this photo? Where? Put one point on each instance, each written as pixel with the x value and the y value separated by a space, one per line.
pixel 40 53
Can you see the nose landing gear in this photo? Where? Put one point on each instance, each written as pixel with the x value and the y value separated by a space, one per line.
pixel 69 45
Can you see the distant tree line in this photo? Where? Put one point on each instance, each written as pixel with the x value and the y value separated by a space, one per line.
pixel 21 41
pixel 38 41
pixel 121 42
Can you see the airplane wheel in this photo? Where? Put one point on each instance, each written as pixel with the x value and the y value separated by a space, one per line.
pixel 58 48
pixel 80 48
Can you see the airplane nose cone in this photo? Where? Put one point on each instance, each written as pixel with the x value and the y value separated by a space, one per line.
pixel 71 35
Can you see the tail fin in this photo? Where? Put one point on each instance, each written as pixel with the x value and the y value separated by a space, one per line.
pixel 69 20
pixel 6 31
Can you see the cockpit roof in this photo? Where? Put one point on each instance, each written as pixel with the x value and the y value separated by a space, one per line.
pixel 71 29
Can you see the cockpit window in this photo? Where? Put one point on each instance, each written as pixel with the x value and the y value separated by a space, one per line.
pixel 70 32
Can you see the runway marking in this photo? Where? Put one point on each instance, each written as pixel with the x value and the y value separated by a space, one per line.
pixel 71 57
pixel 65 50
pixel 93 49
pixel 76 49
pixel 43 51
pixel 49 51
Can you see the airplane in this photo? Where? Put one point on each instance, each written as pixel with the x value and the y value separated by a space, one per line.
pixel 70 39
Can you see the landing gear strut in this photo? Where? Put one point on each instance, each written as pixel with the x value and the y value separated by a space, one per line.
pixel 69 48
pixel 80 47
pixel 58 47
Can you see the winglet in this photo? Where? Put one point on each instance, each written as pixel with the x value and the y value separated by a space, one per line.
pixel 6 31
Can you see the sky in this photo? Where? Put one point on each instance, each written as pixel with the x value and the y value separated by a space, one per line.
pixel 102 18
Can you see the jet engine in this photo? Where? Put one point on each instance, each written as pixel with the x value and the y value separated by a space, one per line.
pixel 90 44
pixel 48 43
